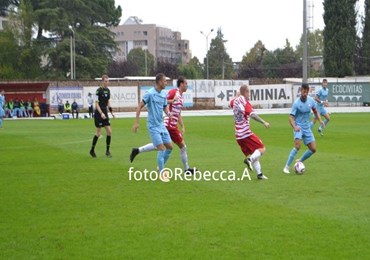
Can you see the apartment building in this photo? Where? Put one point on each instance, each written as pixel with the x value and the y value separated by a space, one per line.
pixel 163 43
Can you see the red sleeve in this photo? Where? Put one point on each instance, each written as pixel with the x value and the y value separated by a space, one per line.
pixel 248 108
pixel 232 103
pixel 171 94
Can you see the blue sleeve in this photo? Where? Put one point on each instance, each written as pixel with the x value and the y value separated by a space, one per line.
pixel 146 97
pixel 293 111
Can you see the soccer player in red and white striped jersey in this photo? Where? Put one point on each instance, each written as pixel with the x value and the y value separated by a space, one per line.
pixel 175 99
pixel 249 143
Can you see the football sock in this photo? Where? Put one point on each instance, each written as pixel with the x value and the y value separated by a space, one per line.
pixel 95 140
pixel 184 158
pixel 166 155
pixel 257 166
pixel 255 155
pixel 292 154
pixel 306 155
pixel 160 160
pixel 147 148
pixel 108 142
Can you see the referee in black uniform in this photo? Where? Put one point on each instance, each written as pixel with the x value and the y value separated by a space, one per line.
pixel 101 118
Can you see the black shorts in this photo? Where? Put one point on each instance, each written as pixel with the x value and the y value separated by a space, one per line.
pixel 99 122
pixel 91 110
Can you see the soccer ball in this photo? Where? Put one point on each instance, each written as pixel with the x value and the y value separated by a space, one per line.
pixel 299 168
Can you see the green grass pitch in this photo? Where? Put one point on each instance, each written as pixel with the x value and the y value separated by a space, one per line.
pixel 56 202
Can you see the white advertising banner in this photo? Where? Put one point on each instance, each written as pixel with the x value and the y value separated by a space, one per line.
pixel 188 95
pixel 65 93
pixel 120 96
pixel 259 94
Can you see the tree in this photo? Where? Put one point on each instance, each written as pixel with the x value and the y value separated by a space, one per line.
pixel 364 50
pixel 250 66
pixel 169 69
pixel 89 19
pixel 137 57
pixel 339 37
pixel 24 62
pixel 219 61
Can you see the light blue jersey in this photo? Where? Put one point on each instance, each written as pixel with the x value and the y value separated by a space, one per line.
pixel 322 94
pixel 301 112
pixel 156 102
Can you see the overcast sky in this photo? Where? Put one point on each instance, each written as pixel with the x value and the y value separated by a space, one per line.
pixel 243 23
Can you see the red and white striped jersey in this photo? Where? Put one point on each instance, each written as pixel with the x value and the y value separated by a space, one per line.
pixel 242 109
pixel 175 108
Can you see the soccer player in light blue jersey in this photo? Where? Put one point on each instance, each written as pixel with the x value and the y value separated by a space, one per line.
pixel 321 98
pixel 300 121
pixel 2 103
pixel 156 102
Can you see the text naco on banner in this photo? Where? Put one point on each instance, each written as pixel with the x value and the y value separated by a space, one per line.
pixel 120 96
pixel 206 88
pixel 264 95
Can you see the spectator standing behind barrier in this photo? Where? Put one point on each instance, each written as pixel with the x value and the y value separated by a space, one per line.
pixel 67 107
pixel 8 112
pixel 2 106
pixel 60 107
pixel 74 109
pixel 90 102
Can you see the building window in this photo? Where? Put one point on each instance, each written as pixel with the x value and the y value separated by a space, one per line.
pixel 145 33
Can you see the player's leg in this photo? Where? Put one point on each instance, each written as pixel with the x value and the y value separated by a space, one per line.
pixel 168 144
pixel 145 148
pixel 108 129
pixel 94 141
pixel 294 151
pixel 309 140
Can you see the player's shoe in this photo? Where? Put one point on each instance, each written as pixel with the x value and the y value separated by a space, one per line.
pixel 248 162
pixel 286 170
pixel 320 131
pixel 134 152
pixel 190 171
pixel 262 177
pixel 92 153
pixel 108 154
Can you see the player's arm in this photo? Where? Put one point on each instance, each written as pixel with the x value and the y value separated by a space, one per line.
pixel 171 96
pixel 167 111
pixel 181 123
pixel 137 118
pixel 292 123
pixel 258 119
pixel 317 116
pixel 110 109
pixel 98 108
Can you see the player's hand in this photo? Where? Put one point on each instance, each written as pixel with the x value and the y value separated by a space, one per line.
pixel 297 128
pixel 326 103
pixel 135 127
pixel 266 124
pixel 113 116
pixel 103 116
